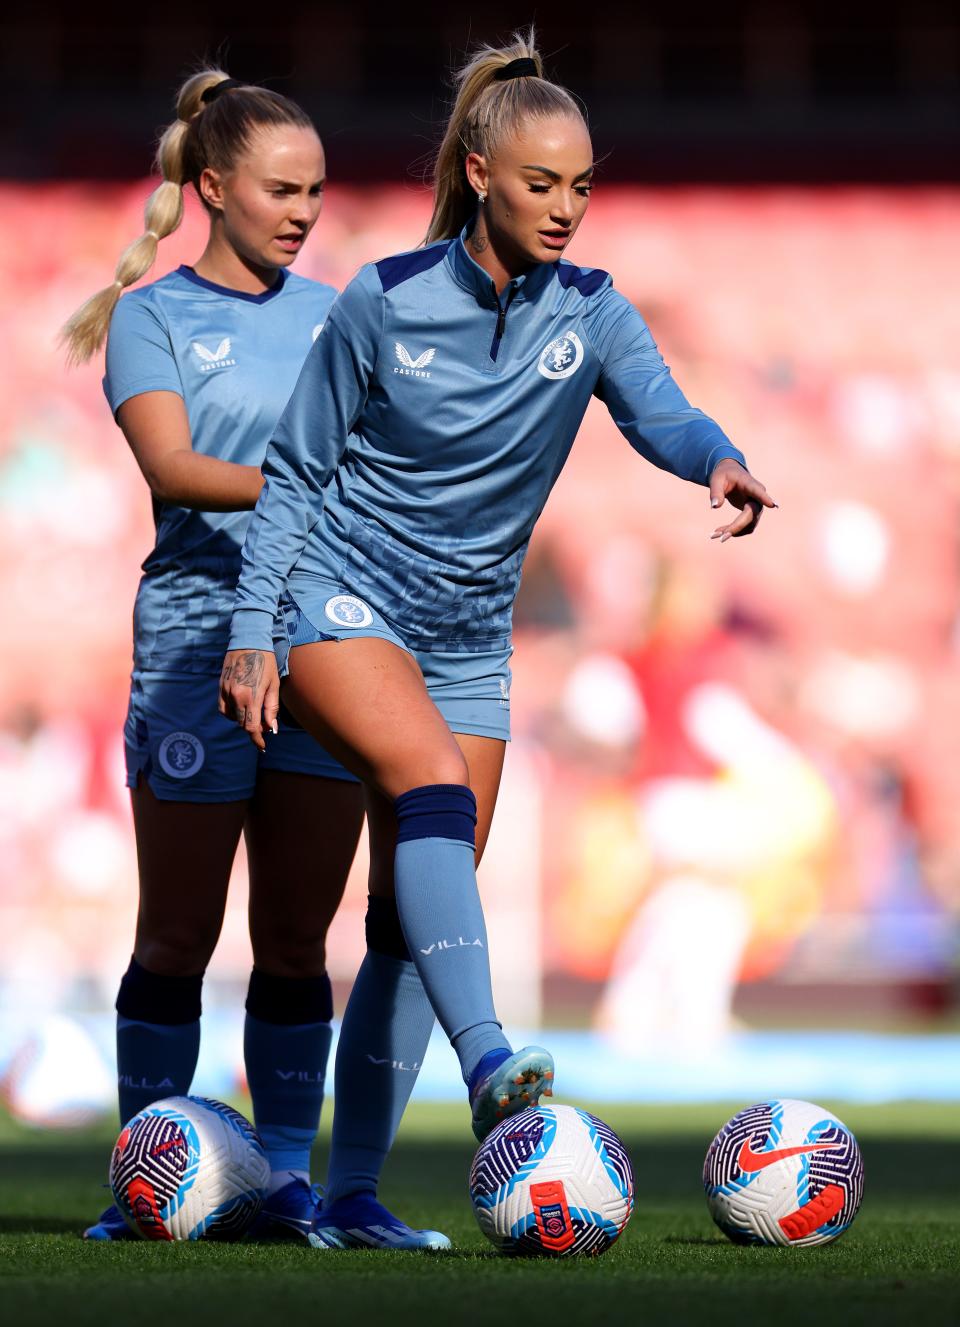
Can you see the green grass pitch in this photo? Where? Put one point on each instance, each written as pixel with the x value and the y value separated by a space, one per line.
pixel 899 1264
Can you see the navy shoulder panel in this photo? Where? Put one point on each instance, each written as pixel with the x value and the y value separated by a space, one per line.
pixel 588 283
pixel 394 271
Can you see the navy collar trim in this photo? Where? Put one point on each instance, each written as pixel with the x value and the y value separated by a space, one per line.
pixel 190 275
pixel 469 274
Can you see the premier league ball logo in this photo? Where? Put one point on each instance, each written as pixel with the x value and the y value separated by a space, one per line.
pixel 181 755
pixel 561 357
pixel 346 610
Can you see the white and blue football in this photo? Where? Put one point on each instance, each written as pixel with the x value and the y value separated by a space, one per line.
pixel 189 1168
pixel 783 1172
pixel 552 1181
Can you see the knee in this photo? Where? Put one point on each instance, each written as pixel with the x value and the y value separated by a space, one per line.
pixel 173 956
pixel 442 768
pixel 173 943
pixel 453 770
pixel 287 937
pixel 289 952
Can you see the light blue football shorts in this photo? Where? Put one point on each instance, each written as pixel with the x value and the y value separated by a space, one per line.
pixel 471 690
pixel 177 740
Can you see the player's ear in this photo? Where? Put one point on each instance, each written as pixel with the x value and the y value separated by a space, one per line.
pixel 478 173
pixel 210 188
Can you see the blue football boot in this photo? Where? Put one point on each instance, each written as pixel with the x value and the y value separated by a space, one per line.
pixel 504 1083
pixel 358 1221
pixel 110 1225
pixel 287 1213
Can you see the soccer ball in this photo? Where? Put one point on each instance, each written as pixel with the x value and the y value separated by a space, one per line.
pixel 189 1168
pixel 783 1172
pixel 554 1181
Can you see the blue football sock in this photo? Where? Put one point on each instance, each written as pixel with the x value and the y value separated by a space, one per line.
pixel 158 1037
pixel 442 917
pixel 384 1037
pixel 154 1060
pixel 286 1041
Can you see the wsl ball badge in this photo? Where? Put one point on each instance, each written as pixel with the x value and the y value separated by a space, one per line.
pixel 783 1172
pixel 552 1181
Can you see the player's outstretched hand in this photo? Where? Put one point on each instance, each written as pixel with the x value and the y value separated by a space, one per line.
pixel 250 692
pixel 731 482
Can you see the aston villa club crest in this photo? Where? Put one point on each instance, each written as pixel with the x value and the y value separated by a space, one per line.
pixel 181 755
pixel 562 357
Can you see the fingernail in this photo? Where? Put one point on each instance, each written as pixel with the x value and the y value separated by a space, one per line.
pixel 273 728
pixel 714 502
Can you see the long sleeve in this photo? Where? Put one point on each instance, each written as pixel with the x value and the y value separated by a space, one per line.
pixel 645 403
pixel 309 440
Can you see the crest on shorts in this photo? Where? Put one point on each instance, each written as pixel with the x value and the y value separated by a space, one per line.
pixel 561 357
pixel 181 755
pixel 346 610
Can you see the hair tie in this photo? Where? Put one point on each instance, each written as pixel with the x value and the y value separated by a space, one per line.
pixel 522 68
pixel 119 284
pixel 154 234
pixel 225 84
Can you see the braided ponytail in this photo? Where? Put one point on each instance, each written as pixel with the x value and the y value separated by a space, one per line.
pixel 84 332
pixel 209 134
pixel 485 111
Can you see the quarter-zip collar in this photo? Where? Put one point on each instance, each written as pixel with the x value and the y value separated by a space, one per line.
pixel 472 277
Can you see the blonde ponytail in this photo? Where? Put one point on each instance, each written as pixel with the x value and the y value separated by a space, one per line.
pixel 485 111
pixel 83 334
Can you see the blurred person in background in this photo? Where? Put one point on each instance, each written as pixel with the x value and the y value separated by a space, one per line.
pixel 199 367
pixel 403 483
pixel 696 848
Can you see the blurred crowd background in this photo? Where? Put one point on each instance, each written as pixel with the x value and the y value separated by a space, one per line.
pixel 731 799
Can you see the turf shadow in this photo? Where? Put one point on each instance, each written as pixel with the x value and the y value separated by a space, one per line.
pixel 693 1239
pixel 37 1225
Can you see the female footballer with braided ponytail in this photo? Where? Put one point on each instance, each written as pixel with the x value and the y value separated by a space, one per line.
pixel 199 367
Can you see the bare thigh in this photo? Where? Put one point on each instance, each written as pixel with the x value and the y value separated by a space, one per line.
pixel 301 833
pixel 185 853
pixel 365 701
pixel 484 757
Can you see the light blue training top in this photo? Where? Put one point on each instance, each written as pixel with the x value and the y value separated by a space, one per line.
pixel 234 359
pixel 428 426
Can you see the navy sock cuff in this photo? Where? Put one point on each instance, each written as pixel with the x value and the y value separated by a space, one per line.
pixel 289 1001
pixel 149 997
pixel 384 932
pixel 437 811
